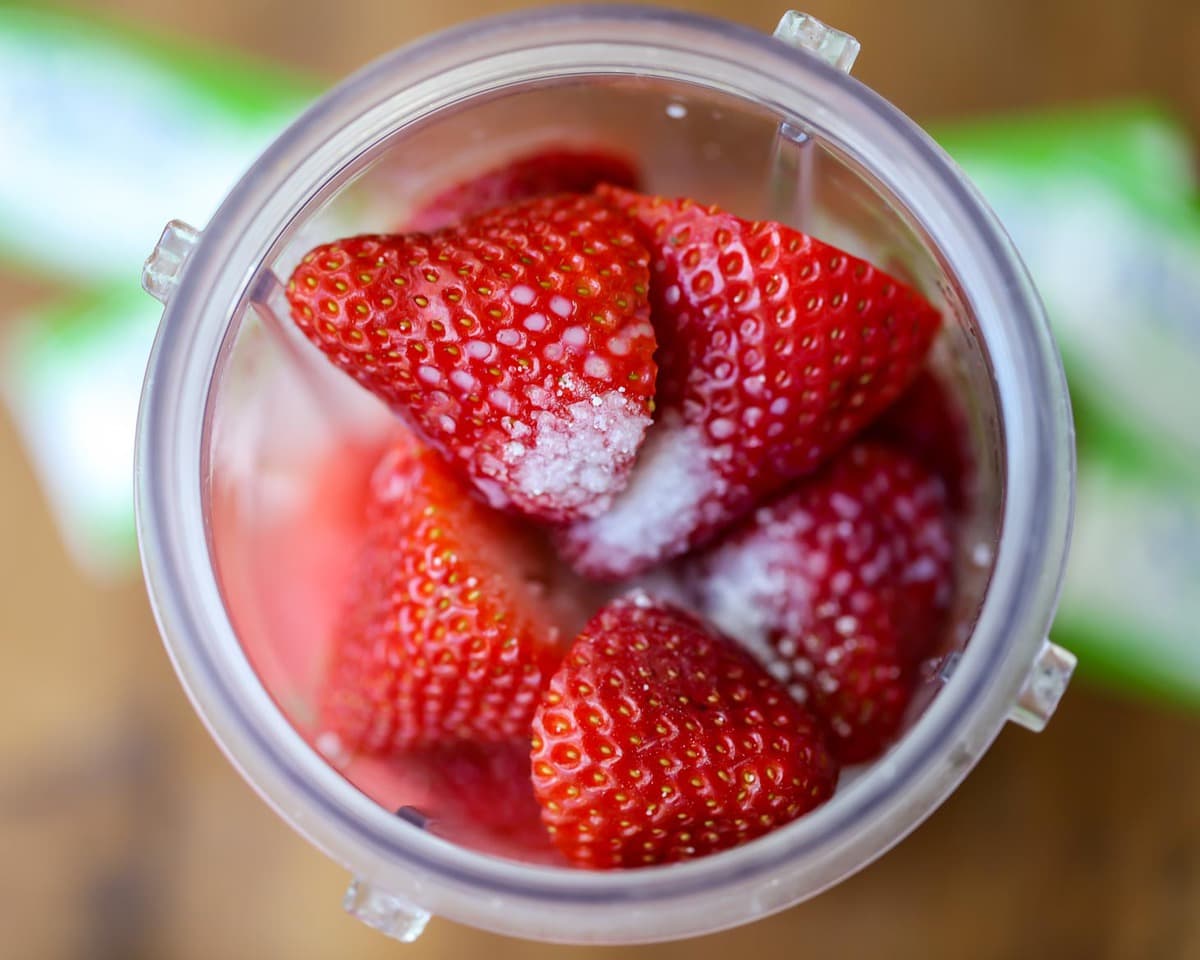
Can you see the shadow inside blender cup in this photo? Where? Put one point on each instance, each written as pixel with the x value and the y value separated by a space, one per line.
pixel 294 440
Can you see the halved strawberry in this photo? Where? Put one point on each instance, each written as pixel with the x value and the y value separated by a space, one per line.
pixel 542 173
pixel 660 740
pixel 774 350
pixel 453 627
pixel 518 345
pixel 840 588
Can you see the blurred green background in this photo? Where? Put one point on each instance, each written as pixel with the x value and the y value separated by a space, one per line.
pixel 127 835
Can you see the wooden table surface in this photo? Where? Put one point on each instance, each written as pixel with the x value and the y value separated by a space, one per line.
pixel 124 834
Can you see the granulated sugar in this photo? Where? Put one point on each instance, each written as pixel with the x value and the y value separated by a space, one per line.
pixel 575 459
pixel 742 587
pixel 670 483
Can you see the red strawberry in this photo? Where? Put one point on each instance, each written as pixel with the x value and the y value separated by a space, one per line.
pixel 519 345
pixel 774 350
pixel 840 588
pixel 450 633
pixel 659 740
pixel 539 174
pixel 928 423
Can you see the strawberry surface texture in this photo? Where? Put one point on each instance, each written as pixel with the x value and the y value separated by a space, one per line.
pixel 839 589
pixel 659 740
pixel 775 349
pixel 450 632
pixel 518 345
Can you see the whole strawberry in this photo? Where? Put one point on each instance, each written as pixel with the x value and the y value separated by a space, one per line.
pixel 839 589
pixel 450 633
pixel 774 350
pixel 519 345
pixel 659 740
pixel 544 172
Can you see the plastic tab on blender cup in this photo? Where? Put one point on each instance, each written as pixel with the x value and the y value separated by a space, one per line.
pixel 1044 686
pixel 806 32
pixel 160 273
pixel 790 181
pixel 384 912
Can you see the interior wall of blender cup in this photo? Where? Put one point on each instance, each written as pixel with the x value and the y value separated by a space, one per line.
pixel 293 439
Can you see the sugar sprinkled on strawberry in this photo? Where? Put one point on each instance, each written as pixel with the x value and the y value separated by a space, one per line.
pixel 544 172
pixel 659 740
pixel 670 484
pixel 518 345
pixel 839 588
pixel 449 634
pixel 774 350
pixel 928 423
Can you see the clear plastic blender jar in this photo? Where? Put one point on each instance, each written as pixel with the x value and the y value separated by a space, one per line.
pixel 240 421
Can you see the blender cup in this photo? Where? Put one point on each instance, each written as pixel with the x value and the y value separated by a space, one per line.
pixel 250 447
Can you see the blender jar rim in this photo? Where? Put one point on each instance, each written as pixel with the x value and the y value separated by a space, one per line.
pixel 869 815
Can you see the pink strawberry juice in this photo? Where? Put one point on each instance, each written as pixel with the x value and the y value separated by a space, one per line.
pixel 286 547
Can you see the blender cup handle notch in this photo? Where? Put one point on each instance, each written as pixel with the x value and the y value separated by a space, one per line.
pixel 806 32
pixel 790 179
pixel 1043 688
pixel 385 912
pixel 164 266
